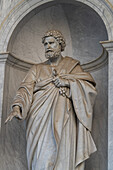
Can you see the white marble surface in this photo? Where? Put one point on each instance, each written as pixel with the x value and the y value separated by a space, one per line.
pixel 2 75
pixel 110 113
pixel 109 48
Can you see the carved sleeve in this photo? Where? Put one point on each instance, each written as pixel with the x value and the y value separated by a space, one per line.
pixel 24 94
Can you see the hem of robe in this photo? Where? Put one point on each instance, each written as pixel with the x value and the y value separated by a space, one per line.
pixel 85 145
pixel 85 158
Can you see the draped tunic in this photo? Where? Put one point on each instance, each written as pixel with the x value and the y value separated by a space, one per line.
pixel 58 127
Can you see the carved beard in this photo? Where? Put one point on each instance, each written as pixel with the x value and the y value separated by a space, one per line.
pixel 52 54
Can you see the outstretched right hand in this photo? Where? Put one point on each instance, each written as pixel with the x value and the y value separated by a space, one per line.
pixel 15 113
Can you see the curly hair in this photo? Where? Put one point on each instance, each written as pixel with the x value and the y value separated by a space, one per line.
pixel 57 35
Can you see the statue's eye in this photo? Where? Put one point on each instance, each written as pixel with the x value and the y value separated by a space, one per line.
pixel 51 42
pixel 45 44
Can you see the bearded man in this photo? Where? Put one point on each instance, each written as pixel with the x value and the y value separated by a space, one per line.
pixel 56 98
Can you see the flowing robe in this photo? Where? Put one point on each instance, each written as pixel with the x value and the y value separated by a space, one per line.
pixel 58 127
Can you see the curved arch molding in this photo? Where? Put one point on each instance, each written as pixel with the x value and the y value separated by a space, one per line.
pixel 24 7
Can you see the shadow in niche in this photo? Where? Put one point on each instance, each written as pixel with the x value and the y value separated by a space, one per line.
pixel 84 29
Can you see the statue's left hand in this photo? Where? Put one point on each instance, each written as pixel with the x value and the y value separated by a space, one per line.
pixel 59 82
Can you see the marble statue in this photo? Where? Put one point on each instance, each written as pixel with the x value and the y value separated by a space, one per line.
pixel 56 98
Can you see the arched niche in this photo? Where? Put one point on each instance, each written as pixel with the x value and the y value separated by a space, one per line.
pixel 83 28
pixel 14 17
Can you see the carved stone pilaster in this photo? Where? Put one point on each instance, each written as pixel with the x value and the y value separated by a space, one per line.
pixel 108 45
pixel 2 77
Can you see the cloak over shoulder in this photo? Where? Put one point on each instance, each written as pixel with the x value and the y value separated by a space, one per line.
pixel 58 127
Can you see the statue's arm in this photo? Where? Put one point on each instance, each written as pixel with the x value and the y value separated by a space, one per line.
pixel 23 98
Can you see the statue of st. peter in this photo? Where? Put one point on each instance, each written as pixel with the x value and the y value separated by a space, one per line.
pixel 56 98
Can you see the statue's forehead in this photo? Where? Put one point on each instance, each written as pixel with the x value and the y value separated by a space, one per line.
pixel 50 38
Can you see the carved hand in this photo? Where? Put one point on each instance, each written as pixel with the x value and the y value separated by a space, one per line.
pixel 59 82
pixel 15 113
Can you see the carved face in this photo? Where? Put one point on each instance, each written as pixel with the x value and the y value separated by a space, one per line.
pixel 52 48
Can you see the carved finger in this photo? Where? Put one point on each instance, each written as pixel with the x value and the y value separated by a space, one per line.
pixel 60 91
pixel 58 84
pixel 10 117
pixel 6 120
pixel 54 79
pixel 57 80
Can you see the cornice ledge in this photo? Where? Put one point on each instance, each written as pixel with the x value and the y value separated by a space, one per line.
pixel 96 64
pixel 108 45
pixel 13 61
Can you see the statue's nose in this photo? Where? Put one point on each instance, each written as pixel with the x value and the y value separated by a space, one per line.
pixel 48 45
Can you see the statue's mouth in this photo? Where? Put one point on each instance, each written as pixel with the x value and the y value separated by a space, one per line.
pixel 49 51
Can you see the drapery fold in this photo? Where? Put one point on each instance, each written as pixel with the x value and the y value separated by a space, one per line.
pixel 57 128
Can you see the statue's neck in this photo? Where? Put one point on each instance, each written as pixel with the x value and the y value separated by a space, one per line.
pixel 55 61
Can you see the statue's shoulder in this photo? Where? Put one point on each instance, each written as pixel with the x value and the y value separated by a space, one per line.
pixel 71 60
